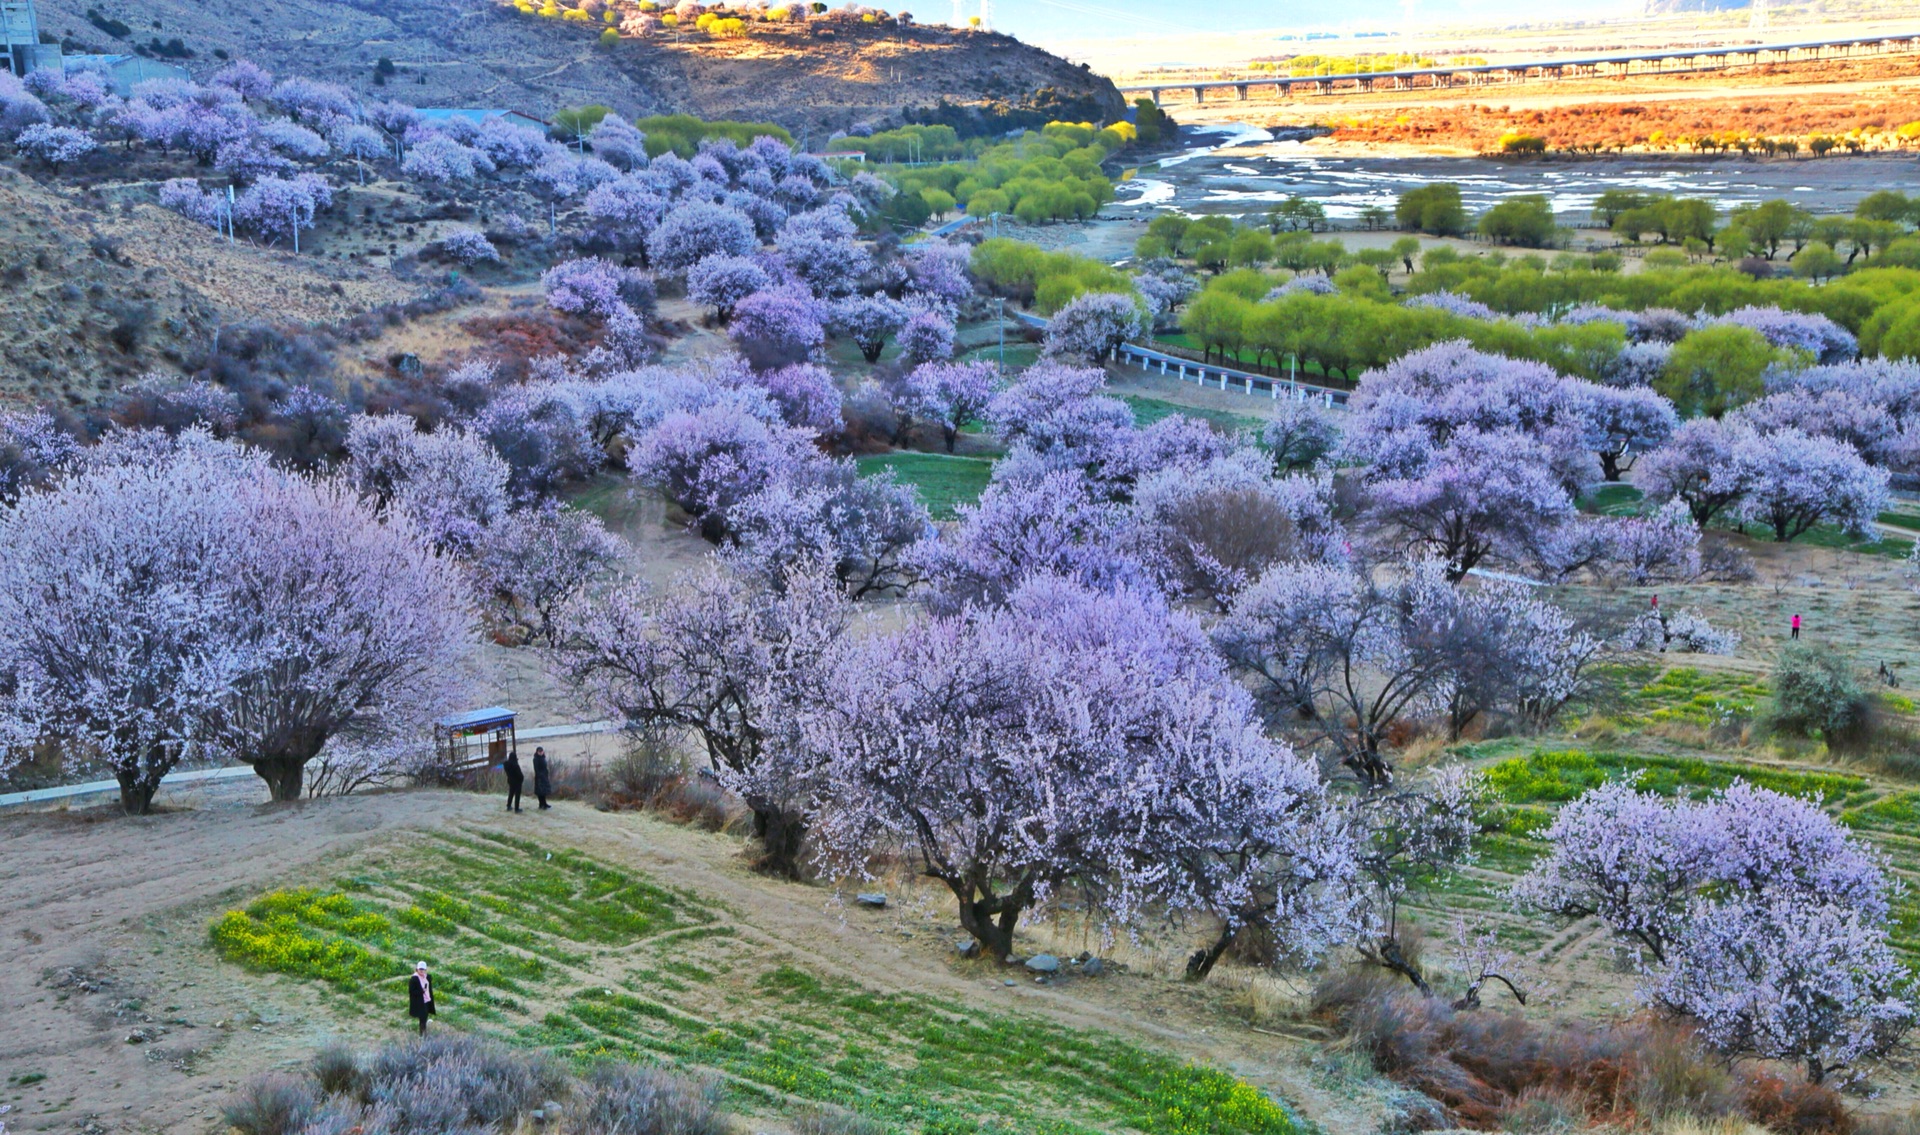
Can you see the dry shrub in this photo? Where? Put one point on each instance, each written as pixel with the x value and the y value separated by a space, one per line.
pixel 274 1104
pixel 834 1121
pixel 1901 1123
pixel 652 773
pixel 1795 1107
pixel 335 1068
pixel 1493 1070
pixel 624 1099
pixel 1545 1111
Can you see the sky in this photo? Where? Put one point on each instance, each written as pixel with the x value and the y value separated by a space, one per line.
pixel 1079 28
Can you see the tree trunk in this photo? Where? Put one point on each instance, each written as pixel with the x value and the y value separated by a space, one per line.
pixel 1816 1071
pixel 780 832
pixel 1201 962
pixel 993 930
pixel 1390 957
pixel 951 435
pixel 283 776
pixel 136 793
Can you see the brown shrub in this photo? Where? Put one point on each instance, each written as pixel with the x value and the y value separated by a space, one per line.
pixel 1492 1070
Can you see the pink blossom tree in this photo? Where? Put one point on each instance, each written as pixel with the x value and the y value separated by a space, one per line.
pixel 1628 423
pixel 955 395
pixel 1090 327
pixel 739 666
pixel 693 231
pixel 278 207
pixel 33 450
pixel 869 321
pixel 537 560
pixel 866 530
pixel 1768 921
pixel 1696 467
pixel 1300 434
pixel 1480 495
pixel 54 146
pixel 450 484
pixel 1071 736
pixel 113 589
pixel 722 281
pixel 1790 977
pixel 1793 482
pixel 707 461
pixel 938 271
pixel 1052 525
pixel 350 627
pixel 1306 632
pixel 778 326
pixel 927 337
pixel 595 287
pixel 807 395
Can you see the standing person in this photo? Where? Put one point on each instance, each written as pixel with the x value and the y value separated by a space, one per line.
pixel 420 995
pixel 1796 626
pixel 515 779
pixel 542 782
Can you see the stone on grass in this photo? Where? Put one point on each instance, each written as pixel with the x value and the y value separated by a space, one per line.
pixel 1043 963
pixel 871 898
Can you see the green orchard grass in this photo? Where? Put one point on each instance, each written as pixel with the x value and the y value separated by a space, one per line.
pixel 551 949
pixel 943 481
pixel 1147 411
pixel 1613 500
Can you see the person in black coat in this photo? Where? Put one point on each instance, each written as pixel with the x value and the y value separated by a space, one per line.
pixel 420 996
pixel 515 779
pixel 542 781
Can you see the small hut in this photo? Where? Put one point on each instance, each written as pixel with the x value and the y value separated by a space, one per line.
pixel 474 740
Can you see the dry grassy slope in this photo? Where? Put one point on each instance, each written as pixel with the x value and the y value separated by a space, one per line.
pixel 93 296
pixel 477 52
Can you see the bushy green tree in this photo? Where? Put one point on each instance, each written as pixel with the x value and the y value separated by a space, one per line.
pixel 1715 369
pixel 1432 209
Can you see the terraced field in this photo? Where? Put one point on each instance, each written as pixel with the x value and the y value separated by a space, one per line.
pixel 552 949
pixel 1531 780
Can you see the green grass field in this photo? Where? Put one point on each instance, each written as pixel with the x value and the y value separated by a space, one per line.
pixel 549 949
pixel 942 481
pixel 1147 411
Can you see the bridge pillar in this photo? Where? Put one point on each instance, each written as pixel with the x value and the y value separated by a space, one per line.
pixel 1156 96
pixel 1240 92
pixel 1199 94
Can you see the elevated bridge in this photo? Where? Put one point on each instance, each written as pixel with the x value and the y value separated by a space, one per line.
pixel 1669 62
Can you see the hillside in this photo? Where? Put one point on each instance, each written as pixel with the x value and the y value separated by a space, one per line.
pixel 93 293
pixel 479 53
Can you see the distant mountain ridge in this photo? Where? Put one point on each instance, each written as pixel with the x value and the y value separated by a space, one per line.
pixel 481 53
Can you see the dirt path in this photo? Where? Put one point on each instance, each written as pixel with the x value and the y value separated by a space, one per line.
pixel 107 919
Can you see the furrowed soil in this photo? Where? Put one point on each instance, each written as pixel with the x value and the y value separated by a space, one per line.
pixel 118 1014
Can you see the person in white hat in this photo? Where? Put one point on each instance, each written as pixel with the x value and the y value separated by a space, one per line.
pixel 420 995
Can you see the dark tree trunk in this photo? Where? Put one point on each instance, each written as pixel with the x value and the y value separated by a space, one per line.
pixel 991 927
pixel 1388 954
pixel 283 776
pixel 780 832
pixel 136 793
pixel 950 435
pixel 1816 1072
pixel 1201 962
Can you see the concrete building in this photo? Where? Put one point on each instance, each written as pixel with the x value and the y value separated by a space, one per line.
pixel 123 71
pixel 20 39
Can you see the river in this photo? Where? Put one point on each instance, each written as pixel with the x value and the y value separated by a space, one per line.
pixel 1241 169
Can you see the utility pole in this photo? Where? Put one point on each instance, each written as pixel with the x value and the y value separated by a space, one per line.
pixel 1000 308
